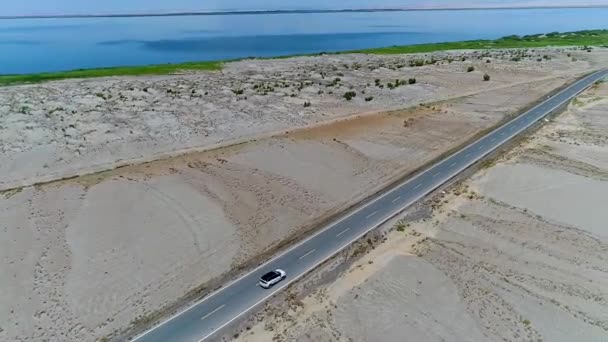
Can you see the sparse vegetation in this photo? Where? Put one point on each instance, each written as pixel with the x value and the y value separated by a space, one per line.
pixel 411 81
pixel 369 98
pixel 307 104
pixel 486 77
pixel 470 69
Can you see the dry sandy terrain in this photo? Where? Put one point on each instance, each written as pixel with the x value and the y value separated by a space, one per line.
pixel 60 129
pixel 517 253
pixel 85 257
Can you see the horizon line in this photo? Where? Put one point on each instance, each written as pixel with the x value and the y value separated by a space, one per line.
pixel 286 11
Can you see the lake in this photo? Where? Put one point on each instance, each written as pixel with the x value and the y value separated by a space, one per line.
pixel 35 45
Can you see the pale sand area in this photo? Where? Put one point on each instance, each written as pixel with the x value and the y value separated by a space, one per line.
pixel 87 256
pixel 517 253
pixel 59 129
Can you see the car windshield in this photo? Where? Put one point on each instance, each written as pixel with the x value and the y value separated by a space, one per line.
pixel 270 275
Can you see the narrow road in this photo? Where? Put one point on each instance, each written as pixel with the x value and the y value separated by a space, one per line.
pixel 205 318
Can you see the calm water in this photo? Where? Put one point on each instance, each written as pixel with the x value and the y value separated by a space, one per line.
pixel 34 45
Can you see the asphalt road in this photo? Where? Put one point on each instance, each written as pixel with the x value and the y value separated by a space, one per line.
pixel 205 318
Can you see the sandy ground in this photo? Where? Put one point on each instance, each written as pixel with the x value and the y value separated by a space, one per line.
pixel 517 253
pixel 59 129
pixel 85 257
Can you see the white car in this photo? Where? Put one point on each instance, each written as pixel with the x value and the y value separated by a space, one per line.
pixel 271 278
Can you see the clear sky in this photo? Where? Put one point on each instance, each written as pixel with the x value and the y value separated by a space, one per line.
pixel 25 7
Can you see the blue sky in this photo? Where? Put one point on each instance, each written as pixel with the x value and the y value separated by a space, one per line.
pixel 24 7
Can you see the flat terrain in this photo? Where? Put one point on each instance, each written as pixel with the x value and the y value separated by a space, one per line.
pixel 87 256
pixel 517 253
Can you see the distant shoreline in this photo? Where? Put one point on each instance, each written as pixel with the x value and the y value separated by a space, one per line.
pixel 254 12
pixel 554 39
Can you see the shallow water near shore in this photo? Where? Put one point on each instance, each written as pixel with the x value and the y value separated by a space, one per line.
pixel 39 45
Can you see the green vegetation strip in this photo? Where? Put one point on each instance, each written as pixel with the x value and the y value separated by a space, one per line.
pixel 580 38
pixel 160 69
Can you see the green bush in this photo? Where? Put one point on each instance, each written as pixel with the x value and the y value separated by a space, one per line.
pixel 411 81
pixel 471 69
pixel 349 95
pixel 486 77
pixel 369 98
pixel 418 63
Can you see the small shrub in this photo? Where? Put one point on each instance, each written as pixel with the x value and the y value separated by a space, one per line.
pixel 306 104
pixel 237 91
pixel 411 81
pixel 486 77
pixel 349 95
pixel 369 98
pixel 471 69
pixel 401 225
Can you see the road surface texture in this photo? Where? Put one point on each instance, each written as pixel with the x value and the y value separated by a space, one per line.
pixel 204 319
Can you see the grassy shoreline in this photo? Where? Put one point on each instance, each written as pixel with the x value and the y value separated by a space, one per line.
pixel 579 38
pixel 157 69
